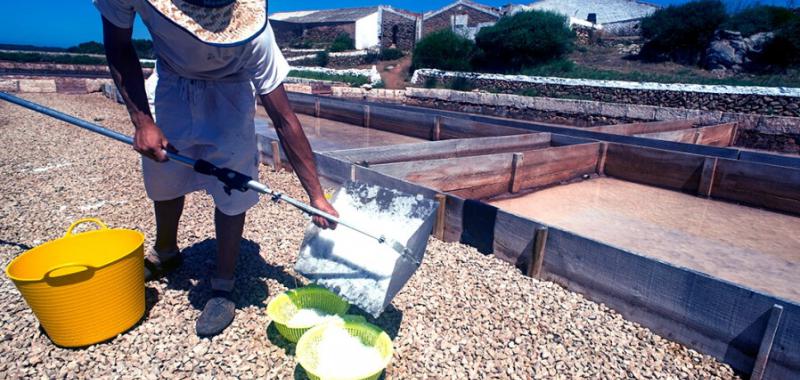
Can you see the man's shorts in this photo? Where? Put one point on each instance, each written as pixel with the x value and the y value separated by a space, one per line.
pixel 210 120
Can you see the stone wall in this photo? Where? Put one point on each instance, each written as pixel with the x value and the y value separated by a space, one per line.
pixel 317 35
pixel 443 20
pixel 286 33
pixel 775 133
pixel 757 100
pixel 585 35
pixel 371 74
pixel 51 69
pixel 340 60
pixel 397 31
pixel 325 34
pixel 63 85
pixel 375 94
pixel 623 28
pixel 292 53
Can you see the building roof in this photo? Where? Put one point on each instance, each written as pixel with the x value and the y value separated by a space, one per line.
pixel 326 15
pixel 608 11
pixel 467 3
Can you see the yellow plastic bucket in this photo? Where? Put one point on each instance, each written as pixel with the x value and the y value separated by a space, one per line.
pixel 84 288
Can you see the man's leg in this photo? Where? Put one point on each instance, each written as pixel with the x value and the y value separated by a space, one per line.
pixel 168 215
pixel 164 255
pixel 229 237
pixel 220 309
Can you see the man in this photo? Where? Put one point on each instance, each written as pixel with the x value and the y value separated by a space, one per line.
pixel 214 56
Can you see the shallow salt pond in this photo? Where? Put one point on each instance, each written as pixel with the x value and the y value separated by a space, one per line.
pixel 752 247
pixel 328 135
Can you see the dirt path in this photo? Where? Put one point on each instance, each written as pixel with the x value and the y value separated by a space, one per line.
pixel 397 77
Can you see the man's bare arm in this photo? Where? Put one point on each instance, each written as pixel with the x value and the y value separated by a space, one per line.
pixel 127 73
pixel 298 150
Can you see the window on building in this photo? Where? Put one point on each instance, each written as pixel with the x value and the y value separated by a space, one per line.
pixel 395 32
pixel 460 22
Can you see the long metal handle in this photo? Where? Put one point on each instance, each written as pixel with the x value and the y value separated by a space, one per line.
pixel 252 184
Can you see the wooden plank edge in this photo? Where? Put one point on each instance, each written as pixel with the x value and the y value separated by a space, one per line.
pixel 601 162
pixel 764 349
pixel 516 162
pixel 276 155
pixel 707 176
pixel 439 224
pixel 538 252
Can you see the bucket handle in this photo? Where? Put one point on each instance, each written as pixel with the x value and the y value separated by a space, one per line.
pixel 74 224
pixel 51 274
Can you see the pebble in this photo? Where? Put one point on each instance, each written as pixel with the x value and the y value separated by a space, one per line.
pixel 462 315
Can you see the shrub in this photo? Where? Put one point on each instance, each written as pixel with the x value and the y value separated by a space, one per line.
pixel 352 80
pixel 461 84
pixel 558 67
pixel 322 59
pixel 759 18
pixel 681 33
pixel 300 44
pixel 342 42
pixel 90 47
pixel 431 82
pixel 443 50
pixel 144 49
pixel 372 57
pixel 73 59
pixel 784 49
pixel 391 54
pixel 524 39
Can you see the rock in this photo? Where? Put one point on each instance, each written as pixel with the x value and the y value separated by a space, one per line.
pixel 730 51
pixel 37 85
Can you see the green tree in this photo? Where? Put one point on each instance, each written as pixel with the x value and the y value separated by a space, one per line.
pixel 784 49
pixel 759 18
pixel 144 48
pixel 90 47
pixel 443 50
pixel 523 40
pixel 322 59
pixel 342 42
pixel 681 33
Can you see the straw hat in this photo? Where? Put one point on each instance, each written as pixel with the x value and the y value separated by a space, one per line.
pixel 216 22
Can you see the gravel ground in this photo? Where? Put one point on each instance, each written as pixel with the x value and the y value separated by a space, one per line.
pixel 463 315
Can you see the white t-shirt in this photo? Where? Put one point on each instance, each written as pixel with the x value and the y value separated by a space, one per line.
pixel 259 60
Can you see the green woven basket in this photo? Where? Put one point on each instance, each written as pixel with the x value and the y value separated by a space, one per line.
pixel 369 334
pixel 285 306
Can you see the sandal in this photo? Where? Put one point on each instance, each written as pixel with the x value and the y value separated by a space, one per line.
pixel 155 268
pixel 217 315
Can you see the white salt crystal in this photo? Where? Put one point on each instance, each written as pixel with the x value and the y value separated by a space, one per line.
pixel 307 317
pixel 352 263
pixel 341 355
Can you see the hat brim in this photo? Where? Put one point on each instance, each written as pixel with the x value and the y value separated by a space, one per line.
pixel 231 25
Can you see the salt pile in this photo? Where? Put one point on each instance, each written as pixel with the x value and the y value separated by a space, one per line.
pixel 308 317
pixel 343 356
pixel 354 265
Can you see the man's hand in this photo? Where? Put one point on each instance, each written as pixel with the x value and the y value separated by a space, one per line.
pixel 324 205
pixel 150 142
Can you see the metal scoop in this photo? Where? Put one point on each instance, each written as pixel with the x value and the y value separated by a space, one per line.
pixel 366 274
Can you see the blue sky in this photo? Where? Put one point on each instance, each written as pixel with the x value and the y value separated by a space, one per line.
pixel 65 23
